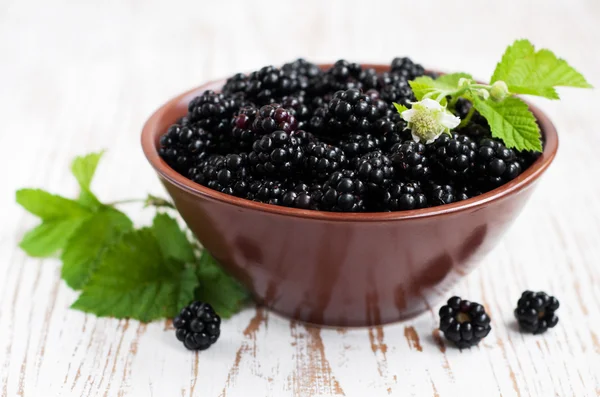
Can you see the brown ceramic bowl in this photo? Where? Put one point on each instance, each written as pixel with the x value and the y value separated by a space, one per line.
pixel 343 269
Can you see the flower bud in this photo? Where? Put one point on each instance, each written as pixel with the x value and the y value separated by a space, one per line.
pixel 499 91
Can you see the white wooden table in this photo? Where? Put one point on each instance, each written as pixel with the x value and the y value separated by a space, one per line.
pixel 80 76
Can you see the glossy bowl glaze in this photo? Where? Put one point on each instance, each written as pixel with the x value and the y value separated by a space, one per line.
pixel 336 268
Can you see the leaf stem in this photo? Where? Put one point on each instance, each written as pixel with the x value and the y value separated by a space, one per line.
pixel 129 201
pixel 468 117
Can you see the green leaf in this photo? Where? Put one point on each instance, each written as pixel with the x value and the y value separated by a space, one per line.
pixel 446 83
pixel 135 280
pixel 400 108
pixel 49 206
pixel 84 168
pixel 88 243
pixel 511 121
pixel 50 236
pixel 526 71
pixel 173 241
pixel 218 288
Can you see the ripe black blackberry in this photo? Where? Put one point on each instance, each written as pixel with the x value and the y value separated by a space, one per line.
pixel 302 196
pixel 212 111
pixel 399 196
pixel 243 134
pixel 495 164
pixel 407 68
pixel 352 111
pixel 274 117
pixel 197 326
pixel 269 85
pixel 277 153
pixel 356 145
pixel 301 67
pixel 368 79
pixel 444 194
pixel 535 312
pixel 266 191
pixel 321 159
pixel 236 84
pixel 397 91
pixel 229 174
pixel 463 322
pixel 374 168
pixel 454 157
pixel 296 106
pixel 411 162
pixel 343 192
pixel 343 75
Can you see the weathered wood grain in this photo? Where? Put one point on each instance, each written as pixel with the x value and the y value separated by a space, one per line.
pixel 81 76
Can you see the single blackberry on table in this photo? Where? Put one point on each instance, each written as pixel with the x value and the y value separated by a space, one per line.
pixel 274 117
pixel 374 168
pixel 321 159
pixel 535 312
pixel 407 68
pixel 495 164
pixel 463 322
pixel 410 161
pixel 343 192
pixel 277 153
pixel 352 111
pixel 197 326
pixel 400 196
pixel 454 157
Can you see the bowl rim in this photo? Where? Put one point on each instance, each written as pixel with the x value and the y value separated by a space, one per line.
pixel 151 133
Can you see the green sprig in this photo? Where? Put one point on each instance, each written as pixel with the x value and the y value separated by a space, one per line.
pixel 124 272
pixel 522 70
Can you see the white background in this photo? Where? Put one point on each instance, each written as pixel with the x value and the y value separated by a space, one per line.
pixel 79 76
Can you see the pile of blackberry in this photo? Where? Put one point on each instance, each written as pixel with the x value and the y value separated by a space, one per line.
pixel 330 140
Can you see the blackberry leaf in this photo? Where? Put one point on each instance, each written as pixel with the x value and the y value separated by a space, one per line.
pixel 84 168
pixel 511 121
pixel 172 240
pixel 49 206
pixel 424 85
pixel 526 71
pixel 88 243
pixel 50 236
pixel 218 288
pixel 135 280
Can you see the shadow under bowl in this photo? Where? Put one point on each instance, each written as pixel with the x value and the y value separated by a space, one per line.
pixel 343 269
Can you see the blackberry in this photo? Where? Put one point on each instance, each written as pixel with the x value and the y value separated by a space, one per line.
pixel 321 159
pixel 269 84
pixel 302 196
pixel 454 156
pixel 227 174
pixel 444 194
pixel 197 326
pixel 212 111
pixel 301 67
pixel 535 312
pixel 317 121
pixel 274 117
pixel 358 144
pixel 343 192
pixel 410 161
pixel 236 83
pixel 343 75
pixel 476 131
pixel 277 152
pixel 184 145
pixel 352 111
pixel 400 196
pixel 374 168
pixel 298 109
pixel 463 322
pixel 368 79
pixel 407 68
pixel 397 91
pixel 242 132
pixel 266 191
pixel 495 164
